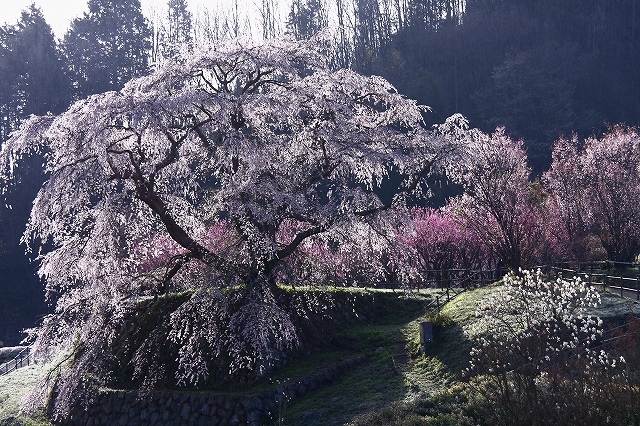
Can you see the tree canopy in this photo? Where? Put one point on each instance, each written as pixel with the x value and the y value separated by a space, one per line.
pixel 595 184
pixel 496 201
pixel 107 46
pixel 217 167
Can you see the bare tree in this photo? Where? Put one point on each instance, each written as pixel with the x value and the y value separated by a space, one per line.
pixel 269 18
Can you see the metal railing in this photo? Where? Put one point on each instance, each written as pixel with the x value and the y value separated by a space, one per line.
pixel 22 359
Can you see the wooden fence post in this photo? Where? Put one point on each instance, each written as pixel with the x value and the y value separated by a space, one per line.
pixel 621 287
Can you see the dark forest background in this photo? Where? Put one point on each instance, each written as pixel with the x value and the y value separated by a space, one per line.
pixel 543 69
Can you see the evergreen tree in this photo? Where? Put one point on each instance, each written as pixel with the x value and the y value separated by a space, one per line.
pixel 178 29
pixel 33 75
pixel 107 46
pixel 33 82
pixel 8 116
pixel 44 84
pixel 306 18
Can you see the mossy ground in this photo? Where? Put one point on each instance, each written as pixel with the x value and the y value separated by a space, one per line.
pixel 400 386
pixel 393 371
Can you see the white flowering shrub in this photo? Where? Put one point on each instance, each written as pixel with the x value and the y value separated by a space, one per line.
pixel 540 358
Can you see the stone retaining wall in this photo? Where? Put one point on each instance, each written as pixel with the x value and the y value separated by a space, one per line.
pixel 202 408
pixel 198 408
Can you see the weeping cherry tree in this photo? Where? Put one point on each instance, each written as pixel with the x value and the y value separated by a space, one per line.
pixel 196 170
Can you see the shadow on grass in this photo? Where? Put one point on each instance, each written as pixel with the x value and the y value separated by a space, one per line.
pixel 389 376
pixel 370 386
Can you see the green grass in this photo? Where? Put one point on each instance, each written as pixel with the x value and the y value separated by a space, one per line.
pixel 388 374
pixel 399 386
pixel 462 309
pixel 369 386
pixel 447 401
pixel 394 384
pixel 12 387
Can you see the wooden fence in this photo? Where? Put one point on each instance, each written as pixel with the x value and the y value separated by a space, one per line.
pixel 21 360
pixel 605 274
pixel 622 278
pixel 452 281
pixel 617 277
pixel 460 278
pixel 607 278
pixel 456 281
pixel 446 278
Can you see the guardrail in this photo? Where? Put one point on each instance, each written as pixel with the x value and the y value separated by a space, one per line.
pixel 627 286
pixel 445 278
pixel 21 360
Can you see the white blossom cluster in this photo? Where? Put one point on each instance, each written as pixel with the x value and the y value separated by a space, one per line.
pixel 532 324
pixel 542 359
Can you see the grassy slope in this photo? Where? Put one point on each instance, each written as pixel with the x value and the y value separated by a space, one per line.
pixel 12 387
pixel 391 372
pixel 352 341
pixel 397 386
pixel 394 385
pixel 368 386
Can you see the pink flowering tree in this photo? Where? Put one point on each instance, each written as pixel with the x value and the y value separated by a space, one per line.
pixel 362 255
pixel 596 185
pixel 317 262
pixel 499 202
pixel 435 242
pixel 260 135
pixel 365 256
pixel 565 205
